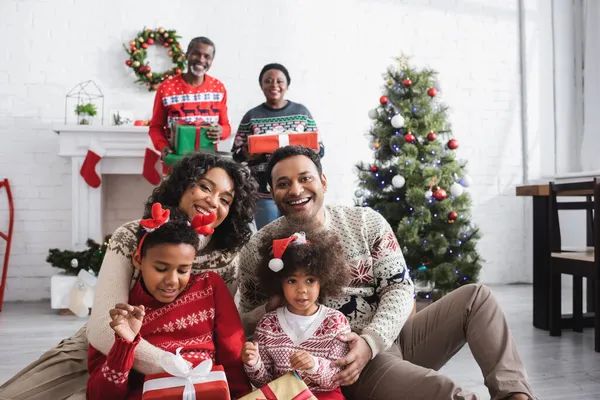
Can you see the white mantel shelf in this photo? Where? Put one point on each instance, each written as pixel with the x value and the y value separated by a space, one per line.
pixel 125 147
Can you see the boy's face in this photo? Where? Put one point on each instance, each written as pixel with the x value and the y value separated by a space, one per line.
pixel 166 269
pixel 301 292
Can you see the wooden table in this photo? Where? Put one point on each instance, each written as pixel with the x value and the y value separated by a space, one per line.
pixel 541 253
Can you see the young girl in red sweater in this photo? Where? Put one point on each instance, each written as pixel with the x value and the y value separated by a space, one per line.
pixel 302 335
pixel 170 308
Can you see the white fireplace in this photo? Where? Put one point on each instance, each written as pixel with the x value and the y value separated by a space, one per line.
pixel 125 147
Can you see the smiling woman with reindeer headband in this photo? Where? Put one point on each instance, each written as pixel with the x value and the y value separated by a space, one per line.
pixel 201 183
pixel 302 335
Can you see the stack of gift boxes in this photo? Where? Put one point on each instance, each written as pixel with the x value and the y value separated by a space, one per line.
pixel 188 138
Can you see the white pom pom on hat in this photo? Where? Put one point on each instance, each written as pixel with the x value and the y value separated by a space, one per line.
pixel 276 264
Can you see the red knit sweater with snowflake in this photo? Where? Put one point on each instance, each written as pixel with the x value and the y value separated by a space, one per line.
pixel 277 341
pixel 175 100
pixel 203 320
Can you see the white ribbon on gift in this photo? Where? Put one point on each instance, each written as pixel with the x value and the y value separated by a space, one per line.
pixel 183 375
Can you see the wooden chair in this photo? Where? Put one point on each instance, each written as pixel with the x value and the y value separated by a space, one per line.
pixel 579 264
pixel 7 237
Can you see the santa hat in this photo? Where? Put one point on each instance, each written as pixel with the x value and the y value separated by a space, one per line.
pixel 279 247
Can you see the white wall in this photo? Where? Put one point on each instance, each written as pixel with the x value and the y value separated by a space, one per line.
pixel 336 52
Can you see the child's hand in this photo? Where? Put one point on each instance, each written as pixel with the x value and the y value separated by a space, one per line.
pixel 127 320
pixel 250 354
pixel 302 361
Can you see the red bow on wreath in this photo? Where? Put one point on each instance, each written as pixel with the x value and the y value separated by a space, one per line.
pixel 200 222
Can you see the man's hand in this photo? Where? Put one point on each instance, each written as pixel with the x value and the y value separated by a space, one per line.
pixel 359 355
pixel 165 151
pixel 214 132
pixel 250 354
pixel 302 361
pixel 274 303
pixel 127 320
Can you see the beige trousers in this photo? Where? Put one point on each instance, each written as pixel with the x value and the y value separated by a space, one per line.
pixel 60 373
pixel 409 370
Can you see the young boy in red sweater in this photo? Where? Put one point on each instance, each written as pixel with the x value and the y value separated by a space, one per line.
pixel 170 308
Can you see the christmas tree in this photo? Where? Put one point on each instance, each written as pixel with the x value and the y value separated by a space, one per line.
pixel 417 184
pixel 72 262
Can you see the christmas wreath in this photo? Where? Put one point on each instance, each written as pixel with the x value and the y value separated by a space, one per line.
pixel 137 56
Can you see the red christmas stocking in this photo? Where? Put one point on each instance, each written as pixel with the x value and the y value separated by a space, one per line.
pixel 150 172
pixel 88 168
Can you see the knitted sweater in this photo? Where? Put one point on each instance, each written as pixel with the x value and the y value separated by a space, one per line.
pixel 175 99
pixel 203 320
pixel 277 342
pixel 258 121
pixel 379 298
pixel 117 276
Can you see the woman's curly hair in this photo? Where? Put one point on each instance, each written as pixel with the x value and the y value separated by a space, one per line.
pixel 234 232
pixel 322 257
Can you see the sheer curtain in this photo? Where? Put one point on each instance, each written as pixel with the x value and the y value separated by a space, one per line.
pixel 590 145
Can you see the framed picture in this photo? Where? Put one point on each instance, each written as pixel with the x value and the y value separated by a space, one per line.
pixel 121 117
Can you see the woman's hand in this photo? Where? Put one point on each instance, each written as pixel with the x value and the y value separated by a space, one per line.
pixel 250 354
pixel 127 320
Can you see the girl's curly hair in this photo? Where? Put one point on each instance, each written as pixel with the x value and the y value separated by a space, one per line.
pixel 234 232
pixel 323 257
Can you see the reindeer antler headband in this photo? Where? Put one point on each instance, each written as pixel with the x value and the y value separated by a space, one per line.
pixel 279 247
pixel 160 217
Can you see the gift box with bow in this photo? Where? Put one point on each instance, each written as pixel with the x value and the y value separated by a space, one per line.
pixel 287 387
pixel 187 138
pixel 272 140
pixel 204 382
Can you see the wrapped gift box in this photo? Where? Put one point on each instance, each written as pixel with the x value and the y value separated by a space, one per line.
pixel 268 143
pixel 187 138
pixel 287 387
pixel 212 386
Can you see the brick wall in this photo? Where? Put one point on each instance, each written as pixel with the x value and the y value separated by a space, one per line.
pixel 336 52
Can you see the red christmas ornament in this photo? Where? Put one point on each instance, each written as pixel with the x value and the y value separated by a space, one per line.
pixel 453 144
pixel 432 92
pixel 132 48
pixel 374 169
pixel 431 136
pixel 150 41
pixel 170 40
pixel 383 100
pixel 407 82
pixel 409 138
pixel 144 45
pixel 452 216
pixel 165 44
pixel 179 46
pixel 440 194
pixel 178 71
pixel 128 63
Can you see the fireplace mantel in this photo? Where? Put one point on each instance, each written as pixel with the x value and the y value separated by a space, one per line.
pixel 125 147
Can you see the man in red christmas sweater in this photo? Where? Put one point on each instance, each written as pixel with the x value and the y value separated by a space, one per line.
pixel 191 96
pixel 171 309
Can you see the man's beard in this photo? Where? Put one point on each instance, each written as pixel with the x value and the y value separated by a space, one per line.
pixel 198 73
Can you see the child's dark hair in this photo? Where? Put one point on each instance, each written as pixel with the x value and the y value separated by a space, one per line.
pixel 323 257
pixel 176 231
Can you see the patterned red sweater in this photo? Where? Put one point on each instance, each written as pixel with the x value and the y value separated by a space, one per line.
pixel 277 342
pixel 203 320
pixel 175 99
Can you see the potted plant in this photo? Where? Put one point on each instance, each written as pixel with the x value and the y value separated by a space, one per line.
pixel 85 112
